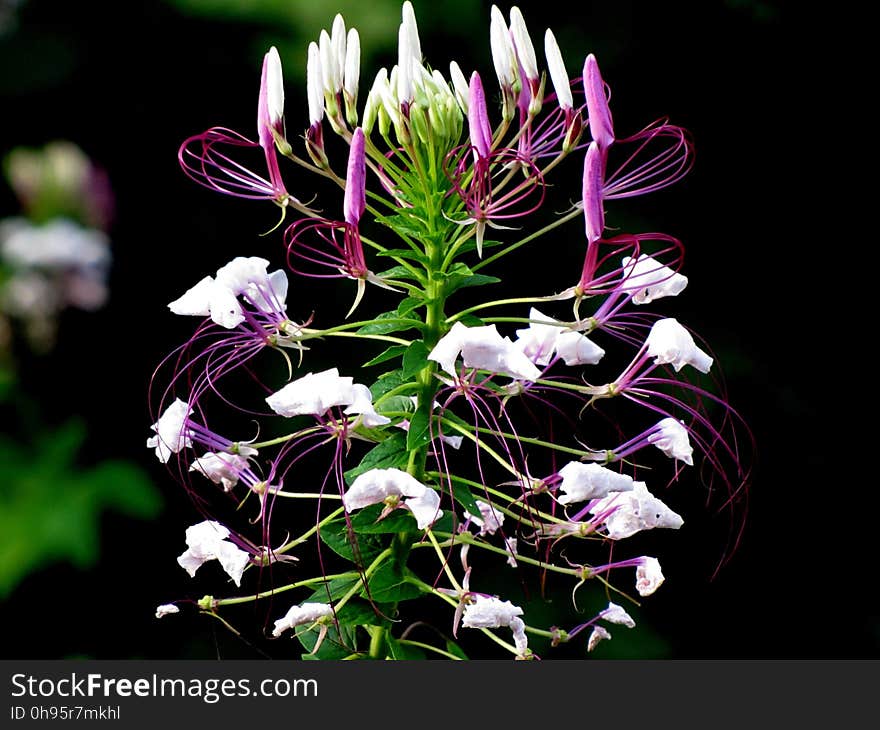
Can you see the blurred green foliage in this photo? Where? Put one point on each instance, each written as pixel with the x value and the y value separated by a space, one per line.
pixel 50 508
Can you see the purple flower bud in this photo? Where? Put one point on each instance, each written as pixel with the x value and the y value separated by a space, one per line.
pixel 594 175
pixel 478 118
pixel 601 126
pixel 355 181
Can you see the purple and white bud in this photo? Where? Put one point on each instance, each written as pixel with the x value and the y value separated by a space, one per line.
pixel 594 180
pixel 671 344
pixel 352 74
pixel 315 86
pixel 525 51
pixel 337 47
pixel 355 201
pixel 558 73
pixel 221 468
pixel 601 126
pixel 408 19
pixel 270 110
pixel 478 118
pixel 503 52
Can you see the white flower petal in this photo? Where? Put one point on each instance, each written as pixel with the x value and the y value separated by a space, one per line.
pixel 648 279
pixel 487 612
pixel 196 301
pixel 306 613
pixel 633 511
pixel 362 404
pixel 489 519
pixel 672 344
pixel 649 577
pixel 220 468
pixel 313 394
pixel 166 609
pixel 582 482
pixel 599 633
pixel 577 349
pixel 617 615
pixel 672 439
pixel 171 436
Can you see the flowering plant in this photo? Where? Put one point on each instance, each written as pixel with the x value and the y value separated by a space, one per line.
pixel 472 437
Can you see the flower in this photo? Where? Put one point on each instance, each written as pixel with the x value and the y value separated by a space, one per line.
pixel 316 393
pixel 484 349
pixel 598 634
pixel 671 437
pixel 582 482
pixel 490 519
pixel 649 279
pixel 545 336
pixel 207 541
pixel 487 612
pixel 388 485
pixel 171 431
pixel 626 513
pixel 305 613
pixel 649 577
pixel 218 297
pixel 615 614
pixel 166 609
pixel 221 468
pixel 671 344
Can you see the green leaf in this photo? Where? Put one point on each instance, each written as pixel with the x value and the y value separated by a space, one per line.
pixel 388 585
pixel 335 536
pixel 415 359
pixel 389 354
pixel 460 276
pixel 418 434
pixel 358 612
pixel 405 253
pixel 367 522
pixel 390 453
pixel 387 382
pixel 334 645
pixel 397 272
pixel 332 590
pixel 408 304
pixel 465 498
pixel 388 322
pixel 396 404
pixel 403 652
pixel 455 649
pixel 471 320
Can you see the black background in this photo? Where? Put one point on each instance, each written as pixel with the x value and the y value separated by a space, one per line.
pixel 129 81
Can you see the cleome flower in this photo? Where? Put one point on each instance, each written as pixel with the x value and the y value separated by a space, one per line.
pixel 394 488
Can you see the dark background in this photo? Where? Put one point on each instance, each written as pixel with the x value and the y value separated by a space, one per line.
pixel 129 81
